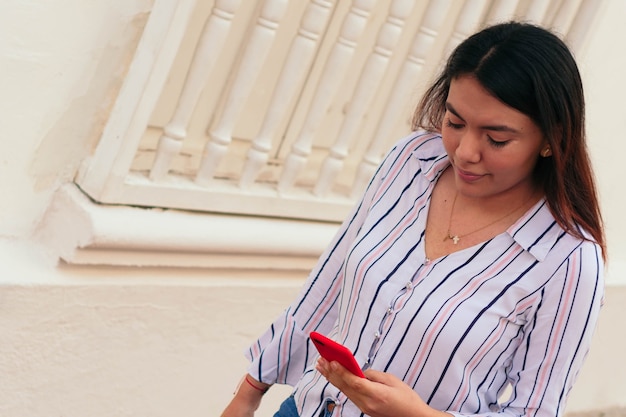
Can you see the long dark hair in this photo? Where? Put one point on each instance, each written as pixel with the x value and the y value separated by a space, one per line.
pixel 531 70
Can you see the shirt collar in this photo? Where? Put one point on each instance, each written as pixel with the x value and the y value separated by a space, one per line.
pixel 432 157
pixel 536 231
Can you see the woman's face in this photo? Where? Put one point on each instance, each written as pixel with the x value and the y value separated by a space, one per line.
pixel 493 148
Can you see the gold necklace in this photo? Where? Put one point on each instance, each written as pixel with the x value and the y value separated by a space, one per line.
pixel 455 238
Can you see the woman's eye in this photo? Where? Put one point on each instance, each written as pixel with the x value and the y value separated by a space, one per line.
pixel 453 125
pixel 497 143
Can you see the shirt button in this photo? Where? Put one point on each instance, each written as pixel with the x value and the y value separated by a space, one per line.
pixel 409 285
pixel 389 310
pixel 377 335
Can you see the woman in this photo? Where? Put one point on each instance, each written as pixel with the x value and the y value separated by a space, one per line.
pixel 473 262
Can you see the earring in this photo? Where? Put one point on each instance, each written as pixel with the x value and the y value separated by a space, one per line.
pixel 546 152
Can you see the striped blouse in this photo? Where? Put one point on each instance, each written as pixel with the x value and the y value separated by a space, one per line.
pixel 517 310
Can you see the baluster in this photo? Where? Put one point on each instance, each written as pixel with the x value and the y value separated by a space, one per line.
pixel 255 54
pixel 577 33
pixel 340 56
pixel 565 15
pixel 295 68
pixel 371 76
pixel 211 41
pixel 433 19
pixel 537 11
pixel 502 10
pixel 468 20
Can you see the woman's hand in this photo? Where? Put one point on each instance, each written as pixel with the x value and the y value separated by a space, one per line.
pixel 379 394
pixel 247 398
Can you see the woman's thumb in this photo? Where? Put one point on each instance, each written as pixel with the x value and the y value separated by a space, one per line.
pixel 378 376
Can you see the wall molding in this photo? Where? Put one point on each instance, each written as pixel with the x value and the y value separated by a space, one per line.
pixel 78 230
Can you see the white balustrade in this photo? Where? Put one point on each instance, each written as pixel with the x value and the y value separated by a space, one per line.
pixel 340 56
pixel 213 38
pixel 537 11
pixel 371 77
pixel 502 10
pixel 582 22
pixel 468 20
pixel 117 174
pixel 255 54
pixel 564 16
pixel 422 46
pixel 296 66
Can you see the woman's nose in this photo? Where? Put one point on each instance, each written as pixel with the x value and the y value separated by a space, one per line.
pixel 468 148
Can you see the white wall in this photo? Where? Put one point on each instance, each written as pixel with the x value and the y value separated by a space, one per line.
pixel 102 342
pixel 62 63
pixel 602 64
pixel 96 342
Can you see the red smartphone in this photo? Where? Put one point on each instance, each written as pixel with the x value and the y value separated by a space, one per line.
pixel 333 351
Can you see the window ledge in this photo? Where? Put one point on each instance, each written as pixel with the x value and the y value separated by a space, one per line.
pixel 80 231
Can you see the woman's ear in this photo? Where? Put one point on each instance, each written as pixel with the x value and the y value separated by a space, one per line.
pixel 546 148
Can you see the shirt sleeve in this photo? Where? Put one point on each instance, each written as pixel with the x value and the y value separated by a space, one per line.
pixel 556 338
pixel 283 352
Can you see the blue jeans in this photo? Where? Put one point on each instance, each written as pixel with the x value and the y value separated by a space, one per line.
pixel 288 409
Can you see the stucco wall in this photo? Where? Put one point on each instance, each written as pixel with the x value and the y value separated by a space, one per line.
pixel 128 342
pixel 601 64
pixel 62 65
pixel 131 342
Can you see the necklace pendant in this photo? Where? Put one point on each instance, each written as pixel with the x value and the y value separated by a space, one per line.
pixel 455 238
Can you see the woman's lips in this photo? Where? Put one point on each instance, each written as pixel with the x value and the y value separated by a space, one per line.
pixel 467 176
